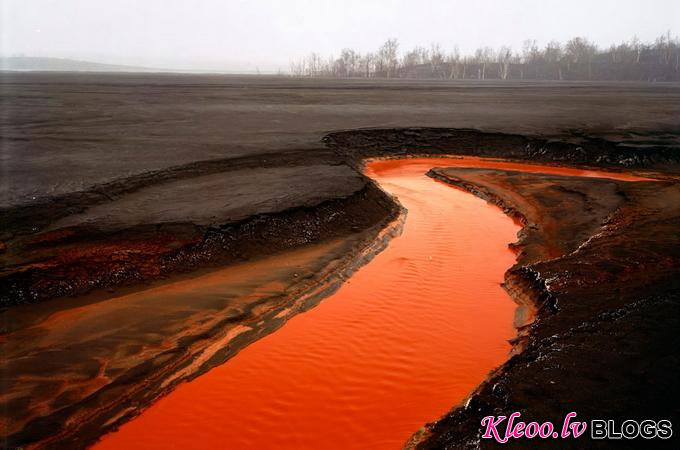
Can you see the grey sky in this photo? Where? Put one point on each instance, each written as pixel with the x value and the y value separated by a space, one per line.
pixel 242 35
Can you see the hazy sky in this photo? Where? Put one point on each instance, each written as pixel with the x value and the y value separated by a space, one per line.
pixel 242 35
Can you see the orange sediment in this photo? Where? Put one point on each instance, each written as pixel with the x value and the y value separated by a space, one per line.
pixel 406 338
pixel 420 164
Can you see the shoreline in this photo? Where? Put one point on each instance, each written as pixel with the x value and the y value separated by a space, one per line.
pixel 222 343
pixel 460 428
pixel 522 281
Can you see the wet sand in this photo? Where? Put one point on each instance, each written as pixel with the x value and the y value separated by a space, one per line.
pixel 73 367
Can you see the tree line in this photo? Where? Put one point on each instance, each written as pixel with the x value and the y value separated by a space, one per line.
pixel 577 59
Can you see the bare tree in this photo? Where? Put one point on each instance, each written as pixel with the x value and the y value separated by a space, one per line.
pixel 436 59
pixel 415 57
pixel 503 57
pixel 574 60
pixel 664 45
pixel 313 65
pixel 530 51
pixel 636 45
pixel 553 52
pixel 580 50
pixel 387 56
pixel 553 56
pixel 483 56
pixel 348 58
pixel 367 63
pixel 453 61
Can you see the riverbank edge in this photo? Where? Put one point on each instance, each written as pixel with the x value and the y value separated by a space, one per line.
pixel 84 423
pixel 529 289
pixel 355 158
pixel 197 247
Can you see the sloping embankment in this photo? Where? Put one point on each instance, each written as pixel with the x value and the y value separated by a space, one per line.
pixel 575 151
pixel 600 261
pixel 75 369
pixel 209 216
pixel 45 253
pixel 614 278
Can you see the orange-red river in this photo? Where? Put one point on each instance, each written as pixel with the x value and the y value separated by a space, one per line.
pixel 406 338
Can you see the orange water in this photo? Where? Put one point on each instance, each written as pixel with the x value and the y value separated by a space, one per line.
pixel 406 338
pixel 424 164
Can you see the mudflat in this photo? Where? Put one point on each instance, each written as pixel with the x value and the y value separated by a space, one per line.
pixel 212 200
pixel 117 184
pixel 67 132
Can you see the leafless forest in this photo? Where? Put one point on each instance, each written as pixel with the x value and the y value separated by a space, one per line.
pixel 577 59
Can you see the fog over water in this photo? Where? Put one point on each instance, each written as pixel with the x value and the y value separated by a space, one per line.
pixel 243 35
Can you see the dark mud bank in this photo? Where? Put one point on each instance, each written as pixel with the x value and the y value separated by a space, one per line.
pixel 118 341
pixel 572 149
pixel 131 246
pixel 590 298
pixel 41 261
pixel 600 261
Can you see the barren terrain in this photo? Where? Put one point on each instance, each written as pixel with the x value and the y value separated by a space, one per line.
pixel 114 183
pixel 599 260
pixel 66 132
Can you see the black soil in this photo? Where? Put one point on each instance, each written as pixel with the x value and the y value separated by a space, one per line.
pixel 115 181
pixel 600 261
pixel 166 227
